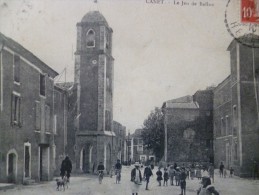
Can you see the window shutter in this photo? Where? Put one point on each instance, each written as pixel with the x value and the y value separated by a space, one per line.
pixel 12 110
pixel 20 113
pixel 47 118
pixel 37 115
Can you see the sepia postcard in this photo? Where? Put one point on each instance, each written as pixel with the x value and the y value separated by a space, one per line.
pixel 129 96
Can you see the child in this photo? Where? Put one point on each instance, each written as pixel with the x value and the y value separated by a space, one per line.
pixel 177 176
pixel 225 173
pixel 187 172
pixel 198 172
pixel 172 174
pixel 166 176
pixel 182 178
pixel 231 172
pixel 159 176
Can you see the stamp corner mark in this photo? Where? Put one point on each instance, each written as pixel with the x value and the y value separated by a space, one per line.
pixel 244 26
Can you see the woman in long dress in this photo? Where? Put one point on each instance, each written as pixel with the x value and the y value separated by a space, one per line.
pixel 136 179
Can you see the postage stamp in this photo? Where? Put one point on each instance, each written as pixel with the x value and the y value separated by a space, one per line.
pixel 242 21
pixel 250 11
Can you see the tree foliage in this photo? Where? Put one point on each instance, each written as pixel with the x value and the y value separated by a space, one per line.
pixel 153 133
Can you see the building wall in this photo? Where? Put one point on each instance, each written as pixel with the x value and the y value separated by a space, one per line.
pixel 223 122
pixel 15 135
pixel 60 128
pixel 236 146
pixel 136 150
pixel 189 129
pixel 176 115
pixel 119 139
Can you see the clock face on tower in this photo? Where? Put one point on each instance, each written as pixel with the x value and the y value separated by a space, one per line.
pixel 94 62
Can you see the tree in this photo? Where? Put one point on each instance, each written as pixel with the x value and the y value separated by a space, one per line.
pixel 153 133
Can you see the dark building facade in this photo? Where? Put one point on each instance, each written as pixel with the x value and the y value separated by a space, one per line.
pixel 119 146
pixel 236 130
pixel 29 116
pixel 188 123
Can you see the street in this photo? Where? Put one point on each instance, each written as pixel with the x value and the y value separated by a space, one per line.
pixel 88 185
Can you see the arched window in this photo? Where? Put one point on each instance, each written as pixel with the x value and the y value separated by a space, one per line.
pixel 90 38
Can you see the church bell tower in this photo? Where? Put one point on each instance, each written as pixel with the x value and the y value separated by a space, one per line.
pixel 94 81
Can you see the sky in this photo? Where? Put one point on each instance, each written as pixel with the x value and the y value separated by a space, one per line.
pixel 162 51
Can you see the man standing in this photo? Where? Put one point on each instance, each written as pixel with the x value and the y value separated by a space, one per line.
pixel 100 167
pixel 118 171
pixel 66 168
pixel 221 169
pixel 136 179
pixel 171 175
pixel 183 181
pixel 118 165
pixel 100 170
pixel 147 174
pixel 211 172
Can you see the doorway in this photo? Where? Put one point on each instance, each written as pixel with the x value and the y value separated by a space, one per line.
pixel 27 160
pixel 44 162
pixel 11 166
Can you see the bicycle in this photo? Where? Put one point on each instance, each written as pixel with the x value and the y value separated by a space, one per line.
pixel 118 176
pixel 100 177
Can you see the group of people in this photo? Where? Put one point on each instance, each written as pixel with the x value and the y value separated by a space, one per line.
pixel 175 173
pixel 223 171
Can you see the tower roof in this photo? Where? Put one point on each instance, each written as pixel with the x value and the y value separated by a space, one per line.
pixel 94 16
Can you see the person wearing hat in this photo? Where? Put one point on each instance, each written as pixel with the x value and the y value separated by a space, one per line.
pixel 136 179
pixel 206 187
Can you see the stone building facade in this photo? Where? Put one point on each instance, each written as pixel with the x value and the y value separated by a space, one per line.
pixel 236 130
pixel 29 117
pixel 188 128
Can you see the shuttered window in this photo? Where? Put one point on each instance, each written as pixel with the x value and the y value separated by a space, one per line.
pixel 16 117
pixel 37 115
pixel 42 84
pixel 47 118
pixel 17 69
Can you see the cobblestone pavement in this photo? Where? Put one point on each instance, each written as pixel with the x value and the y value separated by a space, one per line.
pixel 88 185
